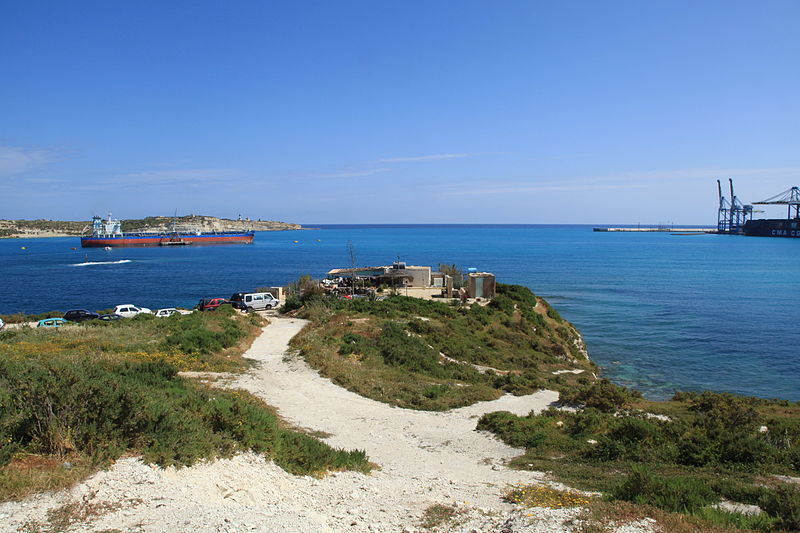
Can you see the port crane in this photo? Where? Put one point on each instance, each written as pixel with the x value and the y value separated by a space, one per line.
pixel 790 198
pixel 732 214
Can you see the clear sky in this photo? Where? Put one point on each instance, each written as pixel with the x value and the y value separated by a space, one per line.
pixel 397 112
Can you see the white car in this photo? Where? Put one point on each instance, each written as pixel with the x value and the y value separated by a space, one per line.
pixel 2 324
pixel 169 311
pixel 130 311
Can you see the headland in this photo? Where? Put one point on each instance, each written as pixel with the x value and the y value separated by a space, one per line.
pixel 40 228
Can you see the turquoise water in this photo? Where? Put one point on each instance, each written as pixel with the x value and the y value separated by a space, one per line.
pixel 659 312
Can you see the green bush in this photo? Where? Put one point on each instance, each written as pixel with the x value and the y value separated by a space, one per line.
pixel 527 382
pixel 102 408
pixel 400 349
pixel 783 503
pixel 602 395
pixel 202 334
pixel 514 430
pixel 675 494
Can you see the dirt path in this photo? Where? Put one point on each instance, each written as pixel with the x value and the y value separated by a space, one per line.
pixel 425 458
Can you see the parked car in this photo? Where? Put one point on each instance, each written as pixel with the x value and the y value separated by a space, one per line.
pixel 80 315
pixel 241 306
pixel 169 311
pixel 2 324
pixel 110 316
pixel 130 311
pixel 209 304
pixel 257 300
pixel 51 323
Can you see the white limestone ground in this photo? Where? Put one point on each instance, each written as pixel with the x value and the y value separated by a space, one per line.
pixel 425 458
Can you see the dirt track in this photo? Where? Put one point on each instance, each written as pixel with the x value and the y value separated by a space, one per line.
pixel 425 458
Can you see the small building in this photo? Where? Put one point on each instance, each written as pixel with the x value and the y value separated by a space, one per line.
pixel 400 273
pixel 443 281
pixel 481 285
pixel 418 276
pixel 418 281
pixel 278 292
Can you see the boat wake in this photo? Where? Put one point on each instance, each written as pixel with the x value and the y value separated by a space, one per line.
pixel 92 263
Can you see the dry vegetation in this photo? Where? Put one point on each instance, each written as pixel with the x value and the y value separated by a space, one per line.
pixel 74 398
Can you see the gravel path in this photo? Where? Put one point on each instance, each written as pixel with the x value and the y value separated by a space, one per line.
pixel 425 458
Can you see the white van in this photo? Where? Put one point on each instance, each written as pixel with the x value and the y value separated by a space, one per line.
pixel 260 300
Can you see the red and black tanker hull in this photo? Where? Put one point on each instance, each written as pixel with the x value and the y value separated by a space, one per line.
pixel 128 240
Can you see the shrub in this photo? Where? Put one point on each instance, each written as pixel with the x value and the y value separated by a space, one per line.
pixel 400 349
pixel 355 343
pixel 518 293
pixel 513 430
pixel 784 504
pixel 630 438
pixel 203 334
pixel 601 395
pixel 102 408
pixel 675 494
pixel 527 382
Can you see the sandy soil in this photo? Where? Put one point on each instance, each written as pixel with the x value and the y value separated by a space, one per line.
pixel 425 458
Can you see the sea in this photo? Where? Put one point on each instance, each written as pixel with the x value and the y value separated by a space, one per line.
pixel 659 312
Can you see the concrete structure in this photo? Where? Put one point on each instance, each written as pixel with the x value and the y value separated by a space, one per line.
pixel 443 281
pixel 420 275
pixel 278 292
pixel 398 273
pixel 417 281
pixel 480 285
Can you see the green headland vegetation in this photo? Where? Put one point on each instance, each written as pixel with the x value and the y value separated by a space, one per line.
pixel 74 398
pixel 674 460
pixel 424 354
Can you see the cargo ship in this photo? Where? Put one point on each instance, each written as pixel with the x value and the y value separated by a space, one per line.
pixel 778 227
pixel 772 227
pixel 108 233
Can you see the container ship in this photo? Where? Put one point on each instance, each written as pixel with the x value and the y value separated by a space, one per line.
pixel 735 218
pixel 778 227
pixel 108 234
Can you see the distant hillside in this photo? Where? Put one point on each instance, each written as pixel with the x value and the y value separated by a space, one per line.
pixel 71 228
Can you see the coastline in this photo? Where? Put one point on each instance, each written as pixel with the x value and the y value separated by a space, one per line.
pixel 44 228
pixel 51 235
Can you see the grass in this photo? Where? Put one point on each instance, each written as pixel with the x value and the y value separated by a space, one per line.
pixel 437 515
pixel 61 519
pixel 544 496
pixel 211 341
pixel 422 354
pixel 604 516
pixel 30 473
pixel 713 446
pixel 74 399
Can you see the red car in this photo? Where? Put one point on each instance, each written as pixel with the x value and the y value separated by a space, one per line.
pixel 209 304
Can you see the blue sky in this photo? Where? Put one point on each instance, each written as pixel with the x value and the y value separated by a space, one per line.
pixel 397 112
